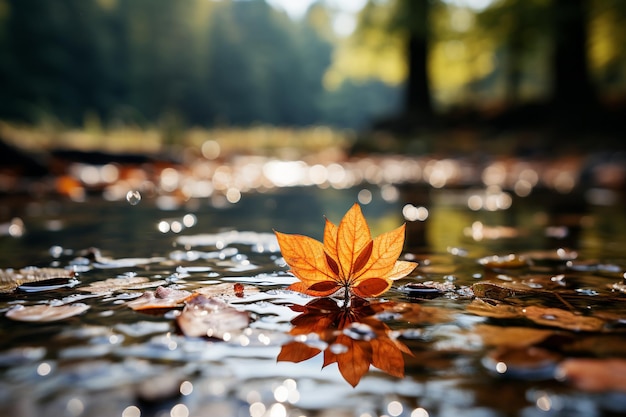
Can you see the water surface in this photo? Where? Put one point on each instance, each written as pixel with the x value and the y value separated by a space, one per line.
pixel 501 299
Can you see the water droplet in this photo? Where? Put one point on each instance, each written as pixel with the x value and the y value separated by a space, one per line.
pixel 56 251
pixel 133 197
pixel 388 316
pixel 338 348
pixel 240 259
pixel 586 291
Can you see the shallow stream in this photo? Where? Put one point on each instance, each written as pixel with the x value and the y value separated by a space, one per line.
pixel 498 319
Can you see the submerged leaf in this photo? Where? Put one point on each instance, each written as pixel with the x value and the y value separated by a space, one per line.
pixel 526 363
pixel 516 337
pixel 594 375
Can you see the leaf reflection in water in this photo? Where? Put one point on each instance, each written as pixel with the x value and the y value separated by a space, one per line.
pixel 350 336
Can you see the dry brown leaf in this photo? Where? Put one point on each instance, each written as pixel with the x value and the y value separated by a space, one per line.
pixel 226 291
pixel 597 344
pixel 528 363
pixel 418 314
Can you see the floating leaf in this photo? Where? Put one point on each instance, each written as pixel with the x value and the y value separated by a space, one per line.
pixel 348 259
pixel 227 292
pixel 124 283
pixel 204 316
pixel 597 344
pixel 48 284
pixel 10 279
pixel 109 263
pixel 545 316
pixel 45 312
pixel 563 319
pixel 499 290
pixel 162 297
pixel 420 314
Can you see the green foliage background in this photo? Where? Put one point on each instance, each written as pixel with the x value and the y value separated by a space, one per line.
pixel 173 63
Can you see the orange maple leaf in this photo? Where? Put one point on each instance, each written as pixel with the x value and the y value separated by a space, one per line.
pixel 348 259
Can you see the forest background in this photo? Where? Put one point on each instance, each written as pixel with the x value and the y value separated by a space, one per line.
pixel 105 64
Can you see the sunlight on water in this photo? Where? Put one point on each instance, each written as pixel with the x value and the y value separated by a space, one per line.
pixel 278 410
pixel 44 369
pixel 509 284
pixel 131 411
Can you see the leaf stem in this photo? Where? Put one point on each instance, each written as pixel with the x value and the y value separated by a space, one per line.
pixel 346 297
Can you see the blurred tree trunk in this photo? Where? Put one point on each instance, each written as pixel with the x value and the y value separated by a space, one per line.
pixel 573 95
pixel 519 17
pixel 418 101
